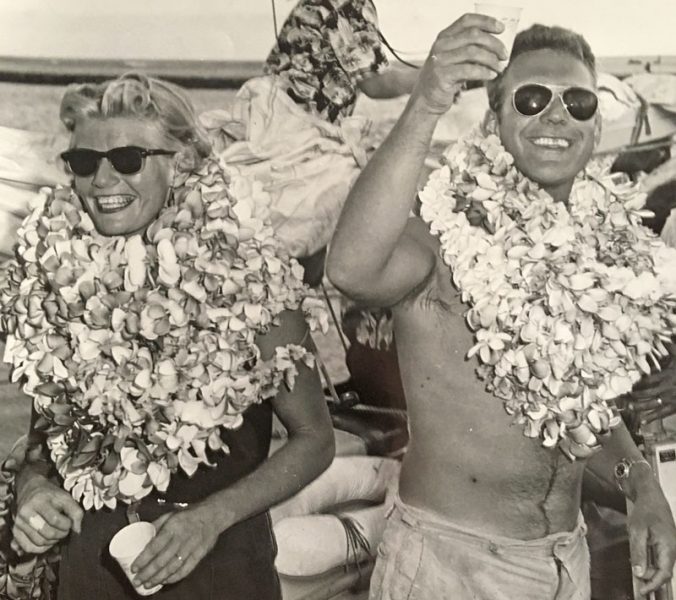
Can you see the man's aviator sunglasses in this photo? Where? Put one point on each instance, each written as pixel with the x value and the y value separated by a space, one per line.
pixel 531 99
pixel 126 160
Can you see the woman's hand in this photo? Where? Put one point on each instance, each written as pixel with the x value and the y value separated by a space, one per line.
pixel 45 514
pixel 183 539
pixel 653 397
pixel 462 52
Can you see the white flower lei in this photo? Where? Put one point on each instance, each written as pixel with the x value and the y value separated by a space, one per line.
pixel 570 305
pixel 138 350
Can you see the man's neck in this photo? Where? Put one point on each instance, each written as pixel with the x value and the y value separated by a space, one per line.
pixel 560 192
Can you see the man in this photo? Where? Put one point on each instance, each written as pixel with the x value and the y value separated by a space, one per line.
pixel 484 512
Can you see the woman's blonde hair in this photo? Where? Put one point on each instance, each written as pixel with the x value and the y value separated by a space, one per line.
pixel 139 96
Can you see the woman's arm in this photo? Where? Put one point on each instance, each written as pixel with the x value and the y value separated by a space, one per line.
pixel 310 447
pixel 191 533
pixel 654 395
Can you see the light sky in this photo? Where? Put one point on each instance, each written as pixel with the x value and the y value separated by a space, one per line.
pixel 243 29
pixel 612 27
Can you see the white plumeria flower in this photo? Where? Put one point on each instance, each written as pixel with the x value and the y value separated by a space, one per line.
pixel 554 302
pixel 208 252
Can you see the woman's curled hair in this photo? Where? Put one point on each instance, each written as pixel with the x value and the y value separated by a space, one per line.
pixel 138 96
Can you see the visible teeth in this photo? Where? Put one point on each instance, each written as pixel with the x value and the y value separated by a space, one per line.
pixel 112 203
pixel 551 142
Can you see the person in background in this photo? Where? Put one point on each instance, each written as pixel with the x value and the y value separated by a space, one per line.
pixel 295 131
pixel 329 51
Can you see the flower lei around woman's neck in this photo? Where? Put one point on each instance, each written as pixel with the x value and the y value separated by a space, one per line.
pixel 570 304
pixel 138 350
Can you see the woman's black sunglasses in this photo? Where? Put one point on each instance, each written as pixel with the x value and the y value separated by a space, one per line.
pixel 126 160
pixel 531 99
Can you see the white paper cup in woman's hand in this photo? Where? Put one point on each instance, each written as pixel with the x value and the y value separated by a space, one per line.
pixel 127 544
pixel 508 15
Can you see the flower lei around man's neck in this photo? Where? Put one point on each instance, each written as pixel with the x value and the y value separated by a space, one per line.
pixel 138 350
pixel 570 304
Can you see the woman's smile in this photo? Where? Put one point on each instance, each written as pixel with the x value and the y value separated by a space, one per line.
pixel 120 203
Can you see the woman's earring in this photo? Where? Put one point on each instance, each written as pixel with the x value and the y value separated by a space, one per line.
pixel 490 123
pixel 597 131
pixel 179 171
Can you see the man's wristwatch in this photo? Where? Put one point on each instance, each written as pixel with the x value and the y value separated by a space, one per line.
pixel 623 467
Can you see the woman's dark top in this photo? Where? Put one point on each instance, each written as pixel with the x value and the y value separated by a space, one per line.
pixel 241 565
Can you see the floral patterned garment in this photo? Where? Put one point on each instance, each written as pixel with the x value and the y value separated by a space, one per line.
pixel 324 49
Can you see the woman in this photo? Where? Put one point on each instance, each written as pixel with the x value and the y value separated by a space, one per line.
pixel 198 317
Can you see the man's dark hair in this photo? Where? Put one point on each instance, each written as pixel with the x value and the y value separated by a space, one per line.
pixel 542 37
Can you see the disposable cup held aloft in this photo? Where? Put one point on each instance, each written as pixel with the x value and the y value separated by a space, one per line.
pixel 508 15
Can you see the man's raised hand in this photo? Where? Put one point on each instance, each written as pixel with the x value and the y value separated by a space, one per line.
pixel 464 51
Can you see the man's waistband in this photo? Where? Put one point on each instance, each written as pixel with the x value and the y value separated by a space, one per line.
pixel 436 524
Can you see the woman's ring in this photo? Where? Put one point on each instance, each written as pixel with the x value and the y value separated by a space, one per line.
pixel 37 522
pixel 180 558
pixel 659 402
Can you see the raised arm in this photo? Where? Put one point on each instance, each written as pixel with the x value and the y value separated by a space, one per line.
pixel 375 257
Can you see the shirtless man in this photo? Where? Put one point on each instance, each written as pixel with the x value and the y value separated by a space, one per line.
pixel 483 511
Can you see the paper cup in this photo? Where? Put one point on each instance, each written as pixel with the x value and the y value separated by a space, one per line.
pixel 509 15
pixel 127 544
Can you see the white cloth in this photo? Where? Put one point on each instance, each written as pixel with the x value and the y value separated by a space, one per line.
pixel 358 488
pixel 306 164
pixel 27 163
pixel 655 88
pixel 669 231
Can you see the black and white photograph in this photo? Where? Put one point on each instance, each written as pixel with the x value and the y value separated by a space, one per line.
pixel 338 300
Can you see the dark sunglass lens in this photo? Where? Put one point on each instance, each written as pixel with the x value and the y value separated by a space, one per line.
pixel 532 99
pixel 581 103
pixel 82 163
pixel 126 160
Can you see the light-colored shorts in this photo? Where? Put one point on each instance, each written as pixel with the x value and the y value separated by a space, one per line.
pixel 424 557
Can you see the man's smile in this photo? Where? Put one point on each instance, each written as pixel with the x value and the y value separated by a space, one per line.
pixel 113 203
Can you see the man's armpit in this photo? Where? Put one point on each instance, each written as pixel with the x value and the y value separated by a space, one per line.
pixel 423 292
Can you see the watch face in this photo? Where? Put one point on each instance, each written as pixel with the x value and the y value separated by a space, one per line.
pixel 621 470
pixel 623 467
